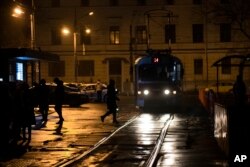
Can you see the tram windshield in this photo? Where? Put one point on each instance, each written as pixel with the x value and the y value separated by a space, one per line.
pixel 151 72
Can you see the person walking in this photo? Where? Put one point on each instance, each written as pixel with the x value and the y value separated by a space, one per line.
pixel 59 97
pixel 43 100
pixel 99 91
pixel 111 101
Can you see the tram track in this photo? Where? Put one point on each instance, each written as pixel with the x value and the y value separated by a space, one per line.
pixel 131 144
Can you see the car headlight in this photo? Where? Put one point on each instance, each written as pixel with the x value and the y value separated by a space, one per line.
pixel 139 92
pixel 146 92
pixel 174 92
pixel 166 91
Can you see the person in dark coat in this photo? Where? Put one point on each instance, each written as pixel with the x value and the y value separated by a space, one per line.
pixel 44 100
pixel 27 109
pixel 111 101
pixel 59 97
pixel 239 90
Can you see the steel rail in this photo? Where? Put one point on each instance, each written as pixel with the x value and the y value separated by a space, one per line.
pixel 86 153
pixel 151 161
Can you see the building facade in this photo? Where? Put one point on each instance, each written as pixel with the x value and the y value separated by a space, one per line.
pixel 121 31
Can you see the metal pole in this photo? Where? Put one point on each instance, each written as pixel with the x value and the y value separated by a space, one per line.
pixel 75 57
pixel 206 43
pixel 32 27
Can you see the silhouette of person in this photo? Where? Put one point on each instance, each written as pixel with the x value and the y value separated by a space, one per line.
pixel 111 101
pixel 59 97
pixel 239 90
pixel 44 100
pixel 27 109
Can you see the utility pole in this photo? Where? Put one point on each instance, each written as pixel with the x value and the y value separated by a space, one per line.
pixel 32 26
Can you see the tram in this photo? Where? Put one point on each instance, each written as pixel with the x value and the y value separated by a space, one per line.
pixel 158 78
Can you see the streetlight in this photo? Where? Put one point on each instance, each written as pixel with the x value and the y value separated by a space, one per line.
pixel 66 31
pixel 19 11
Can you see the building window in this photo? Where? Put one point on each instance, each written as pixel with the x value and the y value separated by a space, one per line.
pixel 19 71
pixel 141 34
pixel 169 2
pixel 115 67
pixel 198 66
pixel 197 33
pixel 84 2
pixel 57 69
pixel 225 33
pixel 114 33
pixel 86 68
pixel 55 3
pixel 56 37
pixel 226 66
pixel 197 2
pixel 141 2
pixel 170 35
pixel 113 2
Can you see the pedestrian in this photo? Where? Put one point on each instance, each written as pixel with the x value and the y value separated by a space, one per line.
pixel 59 97
pixel 239 90
pixel 27 111
pixel 99 91
pixel 111 101
pixel 43 100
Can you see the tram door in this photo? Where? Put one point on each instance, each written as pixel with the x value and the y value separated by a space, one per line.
pixel 115 71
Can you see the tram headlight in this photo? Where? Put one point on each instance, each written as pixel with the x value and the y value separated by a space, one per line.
pixel 166 91
pixel 139 92
pixel 146 92
pixel 174 92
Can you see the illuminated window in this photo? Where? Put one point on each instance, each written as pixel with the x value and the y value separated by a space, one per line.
pixel 19 71
pixel 114 32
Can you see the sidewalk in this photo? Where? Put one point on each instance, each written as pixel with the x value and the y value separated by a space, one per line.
pixel 80 131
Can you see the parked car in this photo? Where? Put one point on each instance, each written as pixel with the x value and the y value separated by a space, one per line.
pixel 90 90
pixel 73 96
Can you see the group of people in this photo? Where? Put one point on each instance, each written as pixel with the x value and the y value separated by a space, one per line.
pixel 42 96
pixel 19 102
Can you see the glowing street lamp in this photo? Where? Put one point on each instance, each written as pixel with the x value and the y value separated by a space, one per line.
pixel 66 31
pixel 19 11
